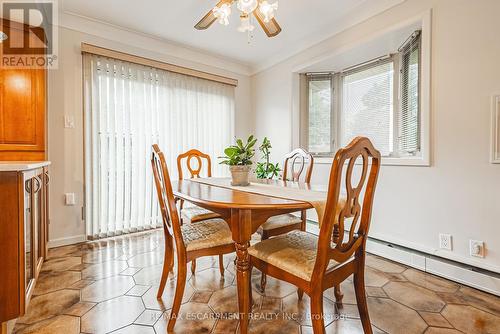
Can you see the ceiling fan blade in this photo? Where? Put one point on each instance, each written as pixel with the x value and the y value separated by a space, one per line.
pixel 210 18
pixel 271 28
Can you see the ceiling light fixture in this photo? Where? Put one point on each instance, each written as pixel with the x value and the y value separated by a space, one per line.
pixel 262 10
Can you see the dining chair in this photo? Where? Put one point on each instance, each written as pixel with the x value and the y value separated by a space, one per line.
pixel 297 163
pixel 194 213
pixel 316 263
pixel 205 238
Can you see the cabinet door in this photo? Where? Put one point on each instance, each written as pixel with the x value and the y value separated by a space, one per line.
pixel 38 230
pixel 22 109
pixel 28 233
pixel 46 212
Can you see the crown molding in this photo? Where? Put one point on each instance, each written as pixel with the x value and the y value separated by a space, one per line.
pixel 354 17
pixel 151 43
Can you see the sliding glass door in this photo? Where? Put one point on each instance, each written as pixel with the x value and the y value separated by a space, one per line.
pixel 129 107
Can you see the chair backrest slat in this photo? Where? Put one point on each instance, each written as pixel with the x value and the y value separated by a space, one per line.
pixel 301 159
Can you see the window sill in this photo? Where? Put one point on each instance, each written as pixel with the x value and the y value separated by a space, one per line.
pixel 386 161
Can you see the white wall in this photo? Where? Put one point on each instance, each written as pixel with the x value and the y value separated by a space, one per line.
pixel 460 193
pixel 65 98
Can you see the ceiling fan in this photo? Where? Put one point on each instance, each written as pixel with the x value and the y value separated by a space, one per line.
pixel 262 10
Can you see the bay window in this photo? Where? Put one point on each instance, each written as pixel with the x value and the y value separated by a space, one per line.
pixel 379 99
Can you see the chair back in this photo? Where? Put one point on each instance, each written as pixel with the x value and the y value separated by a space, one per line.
pixel 170 216
pixel 194 171
pixel 333 244
pixel 297 162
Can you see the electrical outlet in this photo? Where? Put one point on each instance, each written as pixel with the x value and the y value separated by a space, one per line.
pixel 445 241
pixel 69 199
pixel 476 248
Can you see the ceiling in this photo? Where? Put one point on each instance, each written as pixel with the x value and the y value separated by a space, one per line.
pixel 304 23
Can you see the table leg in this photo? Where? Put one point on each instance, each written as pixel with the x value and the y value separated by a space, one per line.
pixel 241 229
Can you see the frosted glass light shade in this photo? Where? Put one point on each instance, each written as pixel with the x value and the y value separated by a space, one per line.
pixel 268 10
pixel 245 24
pixel 222 13
pixel 247 6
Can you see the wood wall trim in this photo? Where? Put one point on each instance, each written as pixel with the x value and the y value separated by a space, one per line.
pixel 97 50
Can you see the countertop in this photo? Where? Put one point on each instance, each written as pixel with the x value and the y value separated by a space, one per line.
pixel 19 166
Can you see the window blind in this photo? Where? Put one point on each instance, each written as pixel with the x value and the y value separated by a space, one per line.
pixel 320 113
pixel 367 105
pixel 129 107
pixel 409 116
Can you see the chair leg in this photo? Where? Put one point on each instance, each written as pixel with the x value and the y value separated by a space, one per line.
pixel 179 293
pixel 221 264
pixel 359 289
pixel 263 282
pixel 338 294
pixel 168 261
pixel 250 292
pixel 193 266
pixel 300 293
pixel 303 217
pixel 263 277
pixel 317 313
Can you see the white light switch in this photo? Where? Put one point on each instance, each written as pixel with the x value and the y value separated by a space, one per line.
pixel 70 198
pixel 69 122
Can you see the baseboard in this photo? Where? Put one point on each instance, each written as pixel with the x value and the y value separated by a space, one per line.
pixel 465 274
pixel 67 241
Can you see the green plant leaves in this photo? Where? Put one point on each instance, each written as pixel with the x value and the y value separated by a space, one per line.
pixel 240 154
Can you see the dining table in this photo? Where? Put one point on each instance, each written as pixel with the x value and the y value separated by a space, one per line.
pixel 245 211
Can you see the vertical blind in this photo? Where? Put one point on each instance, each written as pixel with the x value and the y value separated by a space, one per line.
pixel 130 107
pixel 367 106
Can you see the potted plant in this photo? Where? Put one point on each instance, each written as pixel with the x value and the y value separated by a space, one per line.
pixel 239 159
pixel 266 169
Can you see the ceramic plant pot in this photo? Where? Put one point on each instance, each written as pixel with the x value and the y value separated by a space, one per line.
pixel 240 175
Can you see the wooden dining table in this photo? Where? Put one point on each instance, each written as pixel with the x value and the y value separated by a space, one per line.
pixel 244 212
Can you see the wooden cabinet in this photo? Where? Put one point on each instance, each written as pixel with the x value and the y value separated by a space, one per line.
pixel 23 234
pixel 22 108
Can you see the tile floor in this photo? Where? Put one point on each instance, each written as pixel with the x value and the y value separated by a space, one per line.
pixel 110 286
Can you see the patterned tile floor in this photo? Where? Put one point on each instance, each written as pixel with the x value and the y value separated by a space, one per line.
pixel 110 286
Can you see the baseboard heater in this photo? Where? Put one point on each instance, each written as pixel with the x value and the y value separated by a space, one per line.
pixel 475 277
pixel 465 274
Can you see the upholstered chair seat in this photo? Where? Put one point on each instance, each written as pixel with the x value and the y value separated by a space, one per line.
pixel 281 221
pixel 294 252
pixel 206 234
pixel 195 214
pixel 296 162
